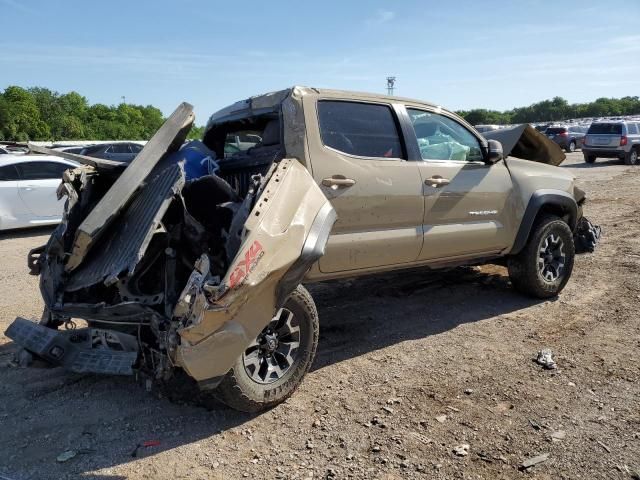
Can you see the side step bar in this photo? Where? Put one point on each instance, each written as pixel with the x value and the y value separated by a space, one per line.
pixel 85 350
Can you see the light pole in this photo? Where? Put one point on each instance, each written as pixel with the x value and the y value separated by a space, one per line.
pixel 391 82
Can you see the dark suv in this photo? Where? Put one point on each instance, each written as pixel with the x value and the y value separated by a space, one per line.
pixel 568 137
pixel 619 139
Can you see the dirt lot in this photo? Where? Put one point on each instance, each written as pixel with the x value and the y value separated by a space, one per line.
pixel 410 365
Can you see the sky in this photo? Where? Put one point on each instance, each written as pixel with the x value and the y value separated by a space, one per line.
pixel 459 54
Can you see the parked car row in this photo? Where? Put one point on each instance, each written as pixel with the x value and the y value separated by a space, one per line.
pixel 28 183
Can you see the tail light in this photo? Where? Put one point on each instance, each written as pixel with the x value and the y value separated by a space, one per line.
pixel 623 140
pixel 564 134
pixel 584 140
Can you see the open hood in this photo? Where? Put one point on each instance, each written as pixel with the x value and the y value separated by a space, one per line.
pixel 525 142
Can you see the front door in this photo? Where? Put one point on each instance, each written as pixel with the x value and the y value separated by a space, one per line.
pixel 468 207
pixel 358 158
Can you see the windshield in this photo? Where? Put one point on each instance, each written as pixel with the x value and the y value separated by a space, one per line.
pixel 606 128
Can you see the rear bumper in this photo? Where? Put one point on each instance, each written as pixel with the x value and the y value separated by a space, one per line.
pixel 603 152
pixel 86 350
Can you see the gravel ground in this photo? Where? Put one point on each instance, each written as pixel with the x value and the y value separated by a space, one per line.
pixel 410 366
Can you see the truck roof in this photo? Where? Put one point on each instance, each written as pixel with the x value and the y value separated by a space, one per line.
pixel 269 101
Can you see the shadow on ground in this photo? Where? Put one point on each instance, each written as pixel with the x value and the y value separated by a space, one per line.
pixel 106 417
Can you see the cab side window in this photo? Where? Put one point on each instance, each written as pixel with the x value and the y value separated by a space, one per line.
pixel 361 129
pixel 441 138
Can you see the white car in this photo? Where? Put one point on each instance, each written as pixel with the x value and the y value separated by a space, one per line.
pixel 28 186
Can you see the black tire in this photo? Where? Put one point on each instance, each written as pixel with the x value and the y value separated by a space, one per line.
pixel 528 269
pixel 571 147
pixel 631 158
pixel 241 392
pixel 589 158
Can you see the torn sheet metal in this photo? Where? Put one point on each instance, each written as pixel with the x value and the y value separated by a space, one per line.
pixel 525 142
pixel 286 232
pixel 168 138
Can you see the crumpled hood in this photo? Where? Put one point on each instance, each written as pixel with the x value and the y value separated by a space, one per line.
pixel 524 141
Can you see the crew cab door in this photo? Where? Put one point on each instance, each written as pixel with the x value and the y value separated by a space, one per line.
pixel 467 202
pixel 359 160
pixel 38 184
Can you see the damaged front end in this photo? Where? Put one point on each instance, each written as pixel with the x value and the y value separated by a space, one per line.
pixel 171 272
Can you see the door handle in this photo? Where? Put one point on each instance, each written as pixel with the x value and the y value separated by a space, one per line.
pixel 437 181
pixel 336 182
pixel 28 188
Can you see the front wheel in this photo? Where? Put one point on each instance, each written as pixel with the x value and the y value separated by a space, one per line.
pixel 543 267
pixel 273 365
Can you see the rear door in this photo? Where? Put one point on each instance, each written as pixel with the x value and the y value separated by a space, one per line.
pixel 468 204
pixel 37 187
pixel 358 158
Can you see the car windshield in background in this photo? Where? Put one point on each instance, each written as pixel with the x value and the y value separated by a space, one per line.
pixel 605 129
pixel 555 130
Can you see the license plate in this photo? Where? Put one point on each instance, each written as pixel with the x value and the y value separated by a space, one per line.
pixel 601 141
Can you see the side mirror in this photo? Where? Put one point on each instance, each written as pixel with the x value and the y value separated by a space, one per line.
pixel 495 152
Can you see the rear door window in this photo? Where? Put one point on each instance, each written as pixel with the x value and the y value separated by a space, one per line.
pixel 361 129
pixel 41 170
pixel 605 129
pixel 9 173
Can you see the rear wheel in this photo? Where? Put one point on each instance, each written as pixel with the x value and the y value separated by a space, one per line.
pixel 544 266
pixel 572 147
pixel 589 158
pixel 631 158
pixel 273 365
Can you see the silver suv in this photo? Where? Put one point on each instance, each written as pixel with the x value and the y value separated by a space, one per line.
pixel 619 139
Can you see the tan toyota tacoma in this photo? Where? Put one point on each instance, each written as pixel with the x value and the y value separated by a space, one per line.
pixel 181 267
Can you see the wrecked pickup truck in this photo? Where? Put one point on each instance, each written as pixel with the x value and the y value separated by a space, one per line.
pixel 177 268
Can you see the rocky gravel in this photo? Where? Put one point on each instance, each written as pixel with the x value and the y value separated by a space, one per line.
pixel 418 375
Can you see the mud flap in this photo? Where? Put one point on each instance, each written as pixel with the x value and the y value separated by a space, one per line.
pixel 286 232
pixel 86 350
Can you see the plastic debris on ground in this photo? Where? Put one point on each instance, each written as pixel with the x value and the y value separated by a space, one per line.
pixel 545 358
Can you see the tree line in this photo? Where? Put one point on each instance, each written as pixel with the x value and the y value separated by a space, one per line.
pixel 554 110
pixel 41 114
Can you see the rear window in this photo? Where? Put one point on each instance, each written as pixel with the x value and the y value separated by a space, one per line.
pixel 605 129
pixel 361 129
pixel 555 130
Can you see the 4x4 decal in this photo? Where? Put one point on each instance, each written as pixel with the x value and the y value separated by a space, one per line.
pixel 251 258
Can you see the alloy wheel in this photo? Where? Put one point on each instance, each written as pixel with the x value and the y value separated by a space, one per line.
pixel 272 354
pixel 551 258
